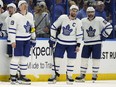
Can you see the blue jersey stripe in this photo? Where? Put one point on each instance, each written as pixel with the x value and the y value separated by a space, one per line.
pixel 12 32
pixel 92 41
pixel 66 41
pixel 12 29
pixel 23 36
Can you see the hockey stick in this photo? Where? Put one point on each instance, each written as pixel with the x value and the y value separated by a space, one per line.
pixel 56 73
pixel 40 21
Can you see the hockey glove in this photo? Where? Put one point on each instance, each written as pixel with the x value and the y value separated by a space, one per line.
pixel 51 42
pixel 9 50
pixel 3 33
pixel 33 42
pixel 104 36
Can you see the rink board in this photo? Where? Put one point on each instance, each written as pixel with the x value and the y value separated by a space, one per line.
pixel 40 62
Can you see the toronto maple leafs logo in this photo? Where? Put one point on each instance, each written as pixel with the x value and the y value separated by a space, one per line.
pixel 67 30
pixel 91 32
pixel 27 27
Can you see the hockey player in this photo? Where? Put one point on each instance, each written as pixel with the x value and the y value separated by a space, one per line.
pixel 68 40
pixel 21 30
pixel 2 21
pixel 95 30
pixel 11 8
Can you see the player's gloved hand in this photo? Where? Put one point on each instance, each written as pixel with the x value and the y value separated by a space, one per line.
pixel 104 36
pixel 3 33
pixel 52 42
pixel 33 42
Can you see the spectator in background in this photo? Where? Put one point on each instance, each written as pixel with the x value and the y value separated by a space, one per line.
pixel 82 13
pixel 108 9
pixel 8 1
pixel 49 4
pixel 71 3
pixel 59 9
pixel 42 20
pixel 31 6
pixel 79 3
pixel 100 10
pixel 38 1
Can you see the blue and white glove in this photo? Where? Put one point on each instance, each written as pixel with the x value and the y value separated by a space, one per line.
pixel 3 33
pixel 33 42
pixel 52 42
pixel 104 36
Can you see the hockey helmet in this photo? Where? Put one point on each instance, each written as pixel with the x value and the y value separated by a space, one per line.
pixel 90 9
pixel 74 7
pixel 21 2
pixel 11 5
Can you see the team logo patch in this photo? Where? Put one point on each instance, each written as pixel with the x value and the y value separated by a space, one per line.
pixel 67 30
pixel 12 22
pixel 91 32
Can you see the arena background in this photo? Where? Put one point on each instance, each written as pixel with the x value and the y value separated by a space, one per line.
pixel 40 61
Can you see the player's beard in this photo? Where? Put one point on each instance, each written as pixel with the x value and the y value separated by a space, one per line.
pixel 90 16
pixel 73 15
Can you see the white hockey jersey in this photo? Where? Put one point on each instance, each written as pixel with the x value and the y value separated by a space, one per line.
pixel 2 22
pixel 3 27
pixel 70 33
pixel 7 23
pixel 20 25
pixel 92 30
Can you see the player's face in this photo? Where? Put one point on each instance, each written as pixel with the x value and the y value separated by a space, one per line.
pixel 24 6
pixel 11 10
pixel 73 12
pixel 91 14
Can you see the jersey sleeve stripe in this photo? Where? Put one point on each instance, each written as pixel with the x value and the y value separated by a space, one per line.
pixel 107 26
pixel 12 29
pixel 12 32
pixel 106 33
pixel 53 27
